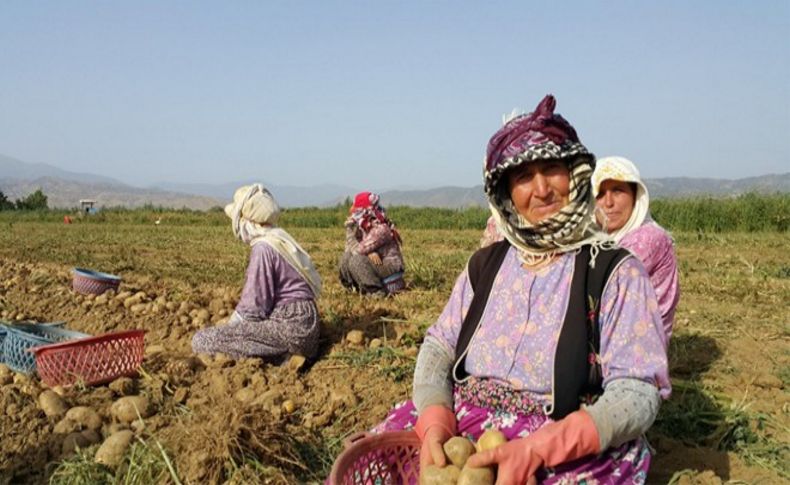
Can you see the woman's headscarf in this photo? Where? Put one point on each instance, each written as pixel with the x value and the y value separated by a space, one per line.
pixel 367 210
pixel 623 170
pixel 254 214
pixel 542 135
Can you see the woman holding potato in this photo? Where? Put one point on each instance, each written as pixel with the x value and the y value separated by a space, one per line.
pixel 552 336
pixel 276 315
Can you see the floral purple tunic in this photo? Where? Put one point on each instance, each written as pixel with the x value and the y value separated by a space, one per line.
pixel 654 247
pixel 521 325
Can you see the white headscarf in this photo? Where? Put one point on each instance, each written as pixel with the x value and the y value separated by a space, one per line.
pixel 623 170
pixel 253 214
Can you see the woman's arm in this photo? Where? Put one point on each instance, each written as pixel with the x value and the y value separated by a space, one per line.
pixel 432 384
pixel 379 235
pixel 625 410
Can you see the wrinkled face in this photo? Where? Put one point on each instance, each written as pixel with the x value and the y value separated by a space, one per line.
pixel 539 189
pixel 614 204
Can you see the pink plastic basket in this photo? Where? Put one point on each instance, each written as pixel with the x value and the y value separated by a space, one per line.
pixel 88 281
pixel 93 360
pixel 386 458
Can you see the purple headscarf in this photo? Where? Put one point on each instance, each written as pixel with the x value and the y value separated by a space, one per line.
pixel 541 135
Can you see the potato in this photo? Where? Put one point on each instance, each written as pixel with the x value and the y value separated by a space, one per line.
pixel 111 452
pixel 51 404
pixel 451 474
pixel 436 475
pixel 476 476
pixel 458 449
pixel 85 417
pixel 126 409
pixel 71 442
pixel 490 439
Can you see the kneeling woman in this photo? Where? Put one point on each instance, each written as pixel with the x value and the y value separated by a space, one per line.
pixel 276 315
pixel 372 260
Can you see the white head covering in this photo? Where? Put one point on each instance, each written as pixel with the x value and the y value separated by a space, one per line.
pixel 623 170
pixel 253 214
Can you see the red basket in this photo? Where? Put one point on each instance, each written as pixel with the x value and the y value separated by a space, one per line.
pixel 93 360
pixel 87 281
pixel 386 458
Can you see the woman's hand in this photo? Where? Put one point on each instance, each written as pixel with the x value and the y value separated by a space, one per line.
pixel 556 443
pixel 375 258
pixel 517 462
pixel 435 425
pixel 432 447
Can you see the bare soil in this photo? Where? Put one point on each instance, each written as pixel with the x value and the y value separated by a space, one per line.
pixel 243 421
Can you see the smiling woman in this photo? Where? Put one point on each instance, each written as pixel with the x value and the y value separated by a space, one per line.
pixel 539 190
pixel 573 376
pixel 623 210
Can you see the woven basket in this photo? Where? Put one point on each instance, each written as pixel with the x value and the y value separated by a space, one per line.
pixel 87 281
pixel 23 336
pixel 394 283
pixel 93 360
pixel 386 458
pixel 3 332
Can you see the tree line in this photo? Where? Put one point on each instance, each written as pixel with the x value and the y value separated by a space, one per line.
pixel 35 201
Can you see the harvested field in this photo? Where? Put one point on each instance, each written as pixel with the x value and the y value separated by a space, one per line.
pixel 214 420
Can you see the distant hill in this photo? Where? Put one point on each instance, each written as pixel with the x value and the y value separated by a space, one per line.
pixel 685 186
pixel 63 193
pixel 671 187
pixel 65 189
pixel 286 195
pixel 11 168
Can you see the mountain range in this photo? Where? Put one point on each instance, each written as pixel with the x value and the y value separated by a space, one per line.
pixel 65 189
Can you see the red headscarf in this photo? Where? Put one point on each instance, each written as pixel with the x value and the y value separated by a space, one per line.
pixel 367 210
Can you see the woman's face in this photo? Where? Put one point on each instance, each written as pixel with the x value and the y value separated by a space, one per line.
pixel 539 189
pixel 614 204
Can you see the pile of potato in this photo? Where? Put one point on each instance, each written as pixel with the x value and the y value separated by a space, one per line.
pixel 458 450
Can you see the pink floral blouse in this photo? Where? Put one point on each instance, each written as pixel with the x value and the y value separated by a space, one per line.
pixel 654 247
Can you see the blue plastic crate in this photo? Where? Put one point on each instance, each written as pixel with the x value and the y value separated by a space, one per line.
pixel 20 337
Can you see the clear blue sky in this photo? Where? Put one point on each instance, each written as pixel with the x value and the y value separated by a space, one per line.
pixel 385 94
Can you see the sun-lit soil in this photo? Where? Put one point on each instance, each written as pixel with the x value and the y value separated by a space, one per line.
pixel 219 420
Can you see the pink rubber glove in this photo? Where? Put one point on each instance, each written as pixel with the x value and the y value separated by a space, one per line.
pixel 570 438
pixel 435 425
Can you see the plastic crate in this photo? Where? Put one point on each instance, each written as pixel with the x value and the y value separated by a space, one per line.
pixel 23 336
pixel 386 458
pixel 3 332
pixel 87 281
pixel 93 360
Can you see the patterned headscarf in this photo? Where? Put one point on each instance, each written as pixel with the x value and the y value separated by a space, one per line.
pixel 623 170
pixel 367 210
pixel 541 135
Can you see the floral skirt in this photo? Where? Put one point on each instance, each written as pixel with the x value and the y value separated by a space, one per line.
pixel 516 417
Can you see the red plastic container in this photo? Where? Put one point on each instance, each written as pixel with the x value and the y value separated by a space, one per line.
pixel 386 458
pixel 95 282
pixel 92 360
